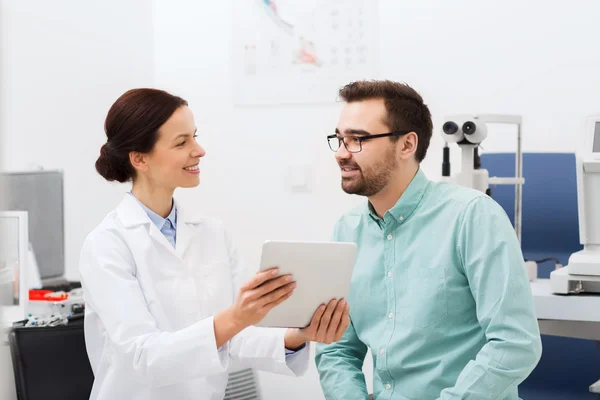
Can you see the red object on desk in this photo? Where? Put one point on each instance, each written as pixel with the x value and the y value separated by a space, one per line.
pixel 47 295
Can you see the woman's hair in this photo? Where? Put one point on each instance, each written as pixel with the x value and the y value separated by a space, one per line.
pixel 132 124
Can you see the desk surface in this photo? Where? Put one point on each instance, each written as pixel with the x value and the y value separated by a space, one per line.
pixel 574 307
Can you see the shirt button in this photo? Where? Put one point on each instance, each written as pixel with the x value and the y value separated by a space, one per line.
pixel 388 386
pixel 401 218
pixel 382 351
pixel 390 236
pixel 391 315
pixel 389 274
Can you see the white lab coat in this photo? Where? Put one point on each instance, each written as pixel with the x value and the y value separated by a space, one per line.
pixel 149 310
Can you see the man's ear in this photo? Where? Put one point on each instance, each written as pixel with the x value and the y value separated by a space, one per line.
pixel 408 145
pixel 138 161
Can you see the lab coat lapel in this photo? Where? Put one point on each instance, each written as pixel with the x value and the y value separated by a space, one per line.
pixel 158 236
pixel 184 237
pixel 186 228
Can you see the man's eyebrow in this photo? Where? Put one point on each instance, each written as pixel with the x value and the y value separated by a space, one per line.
pixel 360 132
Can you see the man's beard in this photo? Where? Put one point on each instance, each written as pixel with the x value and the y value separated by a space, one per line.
pixel 372 179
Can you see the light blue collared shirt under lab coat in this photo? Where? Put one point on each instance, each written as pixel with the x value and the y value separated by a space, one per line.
pixel 168 227
pixel 439 295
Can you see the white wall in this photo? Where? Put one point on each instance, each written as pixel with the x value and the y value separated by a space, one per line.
pixel 536 59
pixel 62 65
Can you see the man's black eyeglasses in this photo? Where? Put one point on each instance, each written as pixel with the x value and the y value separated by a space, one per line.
pixel 354 143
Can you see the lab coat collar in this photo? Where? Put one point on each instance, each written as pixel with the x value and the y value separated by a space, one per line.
pixel 157 219
pixel 187 215
pixel 132 214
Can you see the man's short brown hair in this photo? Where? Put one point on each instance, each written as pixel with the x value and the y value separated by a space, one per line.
pixel 405 108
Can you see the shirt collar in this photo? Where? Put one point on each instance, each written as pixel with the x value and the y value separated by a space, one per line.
pixel 157 219
pixel 408 201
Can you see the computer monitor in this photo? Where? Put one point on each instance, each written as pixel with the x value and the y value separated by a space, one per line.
pixel 40 193
pixel 14 247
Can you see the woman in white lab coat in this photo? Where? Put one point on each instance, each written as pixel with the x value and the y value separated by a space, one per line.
pixel 167 308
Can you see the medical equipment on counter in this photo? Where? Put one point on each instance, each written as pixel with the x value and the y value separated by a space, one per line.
pixel 582 273
pixel 51 320
pixel 468 132
pixel 43 303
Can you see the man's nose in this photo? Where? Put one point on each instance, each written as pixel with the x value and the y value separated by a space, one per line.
pixel 342 153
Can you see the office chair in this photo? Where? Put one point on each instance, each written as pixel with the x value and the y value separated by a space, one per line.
pixel 51 362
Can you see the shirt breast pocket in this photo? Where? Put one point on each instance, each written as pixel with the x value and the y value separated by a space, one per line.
pixel 426 299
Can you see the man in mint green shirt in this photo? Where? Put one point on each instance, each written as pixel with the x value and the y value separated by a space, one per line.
pixel 439 292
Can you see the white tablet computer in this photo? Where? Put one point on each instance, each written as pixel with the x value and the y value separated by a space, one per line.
pixel 322 271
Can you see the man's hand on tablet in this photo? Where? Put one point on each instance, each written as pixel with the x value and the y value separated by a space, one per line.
pixel 327 326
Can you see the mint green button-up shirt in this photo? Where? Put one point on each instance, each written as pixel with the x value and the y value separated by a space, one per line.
pixel 439 295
